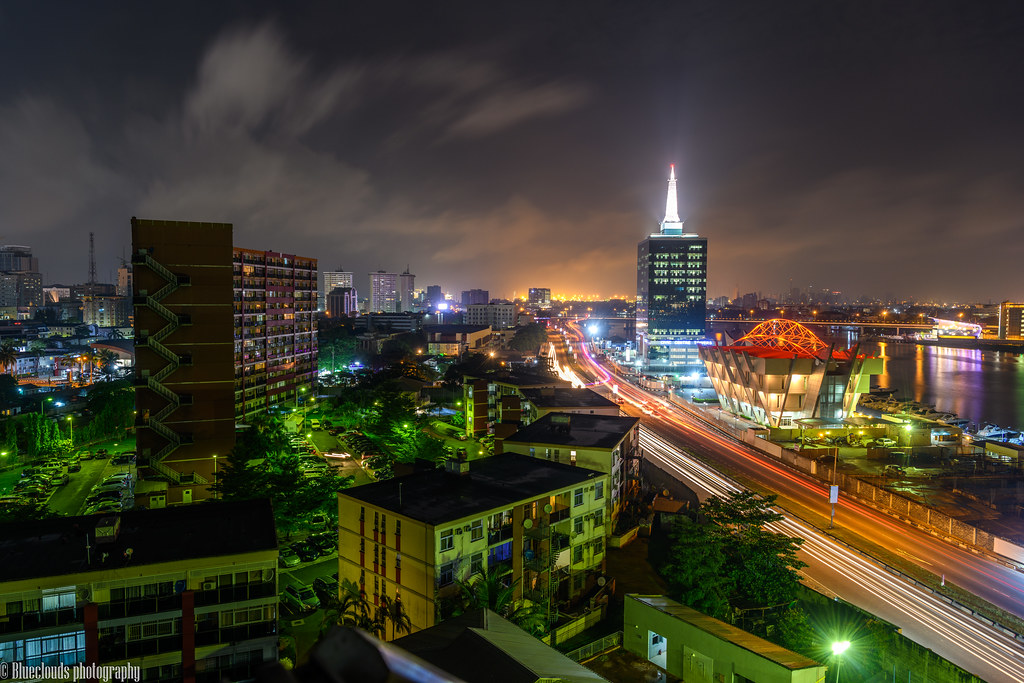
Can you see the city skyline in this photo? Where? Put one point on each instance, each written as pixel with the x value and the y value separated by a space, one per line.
pixel 848 148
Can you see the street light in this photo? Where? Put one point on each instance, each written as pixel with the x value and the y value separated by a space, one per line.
pixel 43 403
pixel 216 493
pixel 71 425
pixel 838 648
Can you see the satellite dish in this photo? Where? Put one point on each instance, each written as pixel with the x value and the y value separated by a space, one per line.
pixel 601 581
pixel 527 523
pixel 548 508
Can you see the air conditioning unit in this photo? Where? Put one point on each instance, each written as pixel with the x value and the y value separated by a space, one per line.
pixel 590 488
pixel 209 585
pixel 467 527
pixel 458 532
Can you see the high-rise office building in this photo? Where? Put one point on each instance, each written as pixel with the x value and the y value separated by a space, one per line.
pixel 383 292
pixel 406 291
pixel 671 294
pixel 21 285
pixel 342 301
pixel 329 279
pixel 434 296
pixel 471 297
pixel 540 297
pixel 124 280
pixel 221 333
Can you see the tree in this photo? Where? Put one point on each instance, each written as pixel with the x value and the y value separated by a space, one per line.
pixel 486 590
pixel 392 610
pixel 696 568
pixel 528 339
pixel 8 358
pixel 106 361
pixel 349 607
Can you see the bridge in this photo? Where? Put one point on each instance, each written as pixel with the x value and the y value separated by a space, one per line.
pixel 882 324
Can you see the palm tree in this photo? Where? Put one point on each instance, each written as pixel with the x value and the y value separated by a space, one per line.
pixel 350 608
pixel 393 611
pixel 87 358
pixel 106 359
pixel 8 358
pixel 490 591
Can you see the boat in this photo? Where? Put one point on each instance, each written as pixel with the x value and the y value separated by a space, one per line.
pixel 994 433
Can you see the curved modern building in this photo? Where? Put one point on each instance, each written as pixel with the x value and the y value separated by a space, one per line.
pixel 782 372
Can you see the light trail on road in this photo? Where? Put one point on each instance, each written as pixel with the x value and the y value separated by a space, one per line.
pixel 959 637
pixel 962 638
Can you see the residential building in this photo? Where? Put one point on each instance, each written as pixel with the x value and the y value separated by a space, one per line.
pixel 471 297
pixel 778 374
pixel 274 327
pixel 406 291
pixel 606 443
pixel 536 403
pixel 329 279
pixel 383 292
pixel 55 293
pixel 184 594
pixel 221 333
pixel 413 537
pixel 540 297
pixel 342 301
pixel 695 647
pixel 21 285
pixel 1011 320
pixel 496 316
pixel 124 280
pixel 494 401
pixel 671 298
pixel 185 367
pixel 455 340
pixel 107 311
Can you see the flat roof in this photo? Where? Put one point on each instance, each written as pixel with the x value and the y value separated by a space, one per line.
pixel 454 329
pixel 567 397
pixel 582 431
pixel 57 546
pixel 793 661
pixel 438 496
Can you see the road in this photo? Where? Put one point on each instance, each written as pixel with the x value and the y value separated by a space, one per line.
pixel 964 640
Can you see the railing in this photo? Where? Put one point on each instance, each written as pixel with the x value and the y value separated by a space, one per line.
pixel 28 621
pixel 609 642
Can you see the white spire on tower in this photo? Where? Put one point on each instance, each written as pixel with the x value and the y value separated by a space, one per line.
pixel 671 208
pixel 671 225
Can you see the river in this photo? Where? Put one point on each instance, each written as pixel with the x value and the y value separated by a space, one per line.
pixel 981 386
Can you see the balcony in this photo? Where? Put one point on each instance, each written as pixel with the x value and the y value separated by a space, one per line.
pixel 499 534
pixel 235 634
pixel 234 593
pixel 29 621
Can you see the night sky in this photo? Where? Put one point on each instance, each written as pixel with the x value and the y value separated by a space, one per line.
pixel 872 147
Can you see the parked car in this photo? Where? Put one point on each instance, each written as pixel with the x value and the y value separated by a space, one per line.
pixel 326 588
pixel 885 442
pixel 97 496
pixel 305 552
pixel 326 543
pixel 123 478
pixel 314 423
pixel 34 491
pixel 287 557
pixel 103 506
pixel 318 523
pixel 74 464
pixel 85 454
pixel 117 487
pixel 59 479
pixel 300 598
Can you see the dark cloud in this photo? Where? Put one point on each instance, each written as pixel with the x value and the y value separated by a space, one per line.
pixel 508 147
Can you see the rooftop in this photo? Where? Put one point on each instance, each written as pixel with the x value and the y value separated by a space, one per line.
pixel 57 546
pixel 437 496
pixel 454 329
pixel 481 646
pixel 727 632
pixel 580 430
pixel 521 378
pixel 565 397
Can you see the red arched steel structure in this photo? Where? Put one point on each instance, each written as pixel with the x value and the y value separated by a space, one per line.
pixel 785 335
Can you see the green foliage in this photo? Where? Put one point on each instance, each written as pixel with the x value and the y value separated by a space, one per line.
pixel 528 339
pixel 8 390
pixel 458 420
pixel 496 593
pixel 24 511
pixel 261 465
pixel 695 569
pixel 794 632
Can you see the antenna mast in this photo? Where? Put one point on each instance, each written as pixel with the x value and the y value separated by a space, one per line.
pixel 92 262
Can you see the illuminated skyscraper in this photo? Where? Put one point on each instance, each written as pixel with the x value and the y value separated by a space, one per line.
pixel 383 292
pixel 329 279
pixel 671 294
pixel 406 290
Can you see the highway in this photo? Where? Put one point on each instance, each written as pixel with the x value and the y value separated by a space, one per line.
pixel 927 619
